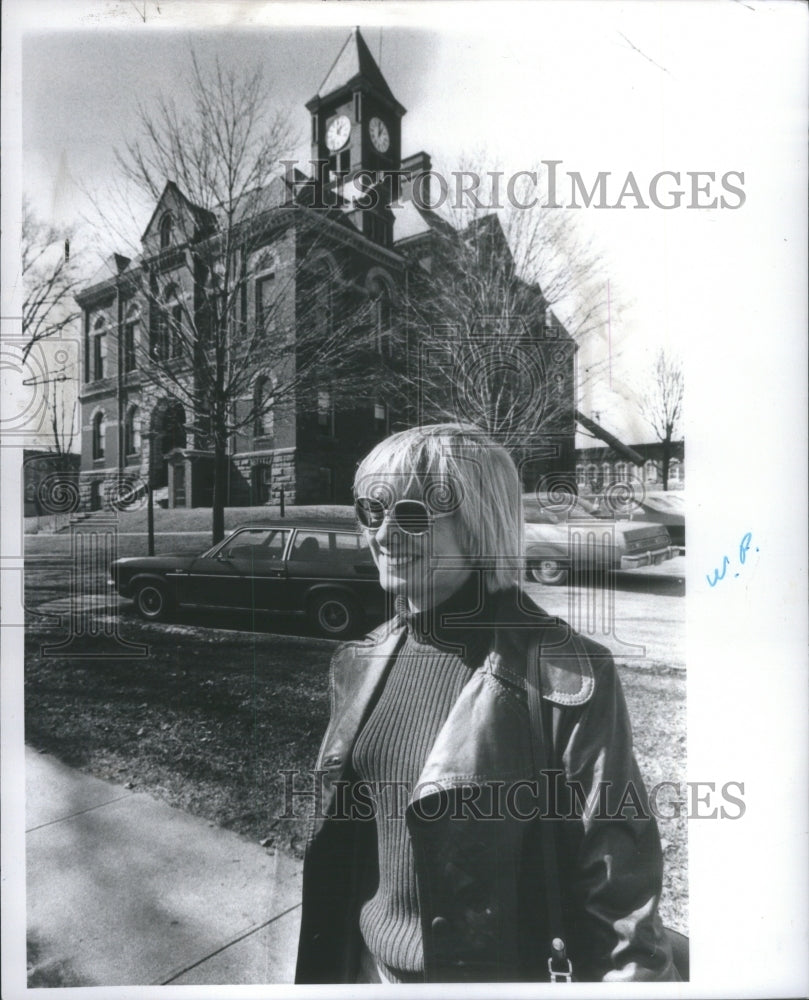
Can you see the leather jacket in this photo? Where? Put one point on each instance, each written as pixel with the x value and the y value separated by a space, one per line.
pixel 478 866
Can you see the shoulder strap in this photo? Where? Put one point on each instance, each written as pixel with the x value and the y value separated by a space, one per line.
pixel 559 965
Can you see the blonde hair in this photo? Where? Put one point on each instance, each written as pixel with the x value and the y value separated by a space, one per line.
pixel 455 467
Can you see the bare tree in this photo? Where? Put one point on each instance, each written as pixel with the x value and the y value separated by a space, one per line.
pixel 50 279
pixel 662 405
pixel 506 296
pixel 231 347
pixel 62 419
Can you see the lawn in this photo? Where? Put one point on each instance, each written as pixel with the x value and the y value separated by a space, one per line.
pixel 209 719
pixel 186 518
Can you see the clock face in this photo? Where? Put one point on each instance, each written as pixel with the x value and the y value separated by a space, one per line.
pixel 380 137
pixel 337 133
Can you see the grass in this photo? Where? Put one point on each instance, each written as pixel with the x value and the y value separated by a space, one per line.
pixel 205 722
pixel 211 717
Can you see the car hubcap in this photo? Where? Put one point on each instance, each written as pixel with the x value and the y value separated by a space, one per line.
pixel 151 601
pixel 334 616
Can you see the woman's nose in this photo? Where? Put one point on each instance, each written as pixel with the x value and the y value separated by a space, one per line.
pixel 385 531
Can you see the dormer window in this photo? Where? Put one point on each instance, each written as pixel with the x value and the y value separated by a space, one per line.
pixel 166 231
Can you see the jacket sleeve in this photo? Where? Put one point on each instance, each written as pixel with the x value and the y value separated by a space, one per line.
pixel 611 846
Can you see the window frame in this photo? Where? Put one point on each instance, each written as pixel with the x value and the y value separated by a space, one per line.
pixel 99 350
pixel 166 230
pixel 263 423
pixel 99 436
pixel 132 433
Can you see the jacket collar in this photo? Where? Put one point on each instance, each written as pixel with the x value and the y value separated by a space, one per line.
pixel 520 629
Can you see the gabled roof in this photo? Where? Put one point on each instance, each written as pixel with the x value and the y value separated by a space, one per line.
pixel 411 220
pixel 110 267
pixel 171 193
pixel 354 62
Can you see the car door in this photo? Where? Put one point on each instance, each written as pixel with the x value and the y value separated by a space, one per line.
pixel 355 565
pixel 309 562
pixel 246 571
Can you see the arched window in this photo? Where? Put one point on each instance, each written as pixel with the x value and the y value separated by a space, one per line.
pixel 131 338
pixel 606 474
pixel 593 478
pixel 382 297
pixel 172 323
pixel 621 472
pixel 99 347
pixel 266 306
pixel 322 300
pixel 581 474
pixel 177 331
pixel 99 436
pixel 675 471
pixel 325 411
pixel 263 424
pixel 381 417
pixel 132 431
pixel 650 471
pixel 166 230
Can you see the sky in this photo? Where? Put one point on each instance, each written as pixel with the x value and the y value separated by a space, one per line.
pixel 618 88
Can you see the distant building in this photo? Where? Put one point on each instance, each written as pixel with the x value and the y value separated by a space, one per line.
pixel 131 427
pixel 602 466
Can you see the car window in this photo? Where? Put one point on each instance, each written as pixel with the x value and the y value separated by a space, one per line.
pixel 349 541
pixel 534 514
pixel 310 545
pixel 255 544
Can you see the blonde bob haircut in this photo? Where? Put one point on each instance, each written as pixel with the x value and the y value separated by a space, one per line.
pixel 455 467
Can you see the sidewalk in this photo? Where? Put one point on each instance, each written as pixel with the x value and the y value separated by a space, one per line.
pixel 124 890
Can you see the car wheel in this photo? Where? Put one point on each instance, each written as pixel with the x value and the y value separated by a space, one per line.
pixel 548 571
pixel 152 601
pixel 334 615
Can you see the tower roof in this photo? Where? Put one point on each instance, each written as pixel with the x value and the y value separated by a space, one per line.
pixel 354 63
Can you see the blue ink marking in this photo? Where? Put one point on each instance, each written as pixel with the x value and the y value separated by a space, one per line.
pixel 744 548
pixel 719 574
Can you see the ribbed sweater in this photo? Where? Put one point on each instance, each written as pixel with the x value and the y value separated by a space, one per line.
pixel 421 687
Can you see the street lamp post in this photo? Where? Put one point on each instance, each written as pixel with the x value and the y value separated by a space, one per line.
pixel 151 436
pixel 150 512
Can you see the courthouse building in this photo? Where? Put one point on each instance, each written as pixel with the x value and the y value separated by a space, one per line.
pixel 134 427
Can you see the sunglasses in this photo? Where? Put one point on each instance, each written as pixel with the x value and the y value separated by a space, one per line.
pixel 413 517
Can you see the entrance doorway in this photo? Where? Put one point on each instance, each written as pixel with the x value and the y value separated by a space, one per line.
pixel 167 433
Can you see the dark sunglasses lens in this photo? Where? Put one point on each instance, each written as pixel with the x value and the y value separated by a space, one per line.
pixel 412 516
pixel 371 513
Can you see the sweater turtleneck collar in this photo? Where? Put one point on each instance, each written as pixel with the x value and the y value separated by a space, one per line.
pixel 435 626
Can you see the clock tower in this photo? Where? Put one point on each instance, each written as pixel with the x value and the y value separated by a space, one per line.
pixel 357 134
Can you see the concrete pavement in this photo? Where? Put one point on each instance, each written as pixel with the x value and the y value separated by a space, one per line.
pixel 125 890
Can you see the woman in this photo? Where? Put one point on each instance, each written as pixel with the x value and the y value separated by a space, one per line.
pixel 438 850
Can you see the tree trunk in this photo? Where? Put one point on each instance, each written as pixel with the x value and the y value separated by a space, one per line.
pixel 220 486
pixel 666 462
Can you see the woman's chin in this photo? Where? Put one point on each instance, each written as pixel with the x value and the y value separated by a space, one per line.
pixel 397 575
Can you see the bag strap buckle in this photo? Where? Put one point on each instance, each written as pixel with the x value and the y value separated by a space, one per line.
pixel 559 956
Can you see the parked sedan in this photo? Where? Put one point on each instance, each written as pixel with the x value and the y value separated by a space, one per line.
pixel 564 537
pixel 318 568
pixel 667 508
